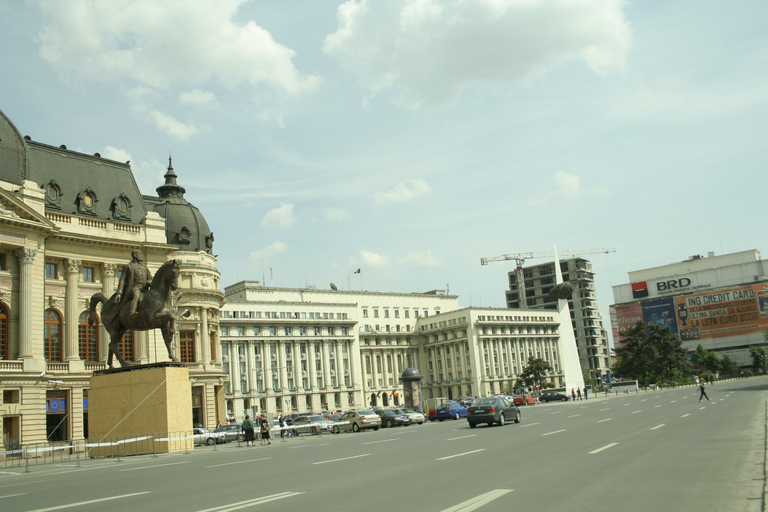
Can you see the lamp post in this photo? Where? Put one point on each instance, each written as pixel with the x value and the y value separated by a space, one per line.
pixel 186 313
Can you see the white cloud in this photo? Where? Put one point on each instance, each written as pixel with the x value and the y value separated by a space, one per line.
pixel 427 51
pixel 197 97
pixel 566 186
pixel 332 213
pixel 261 256
pixel 172 126
pixel 159 44
pixel 421 259
pixel 280 217
pixel 372 260
pixel 116 154
pixel 403 192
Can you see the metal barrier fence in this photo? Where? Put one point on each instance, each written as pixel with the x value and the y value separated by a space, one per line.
pixel 34 454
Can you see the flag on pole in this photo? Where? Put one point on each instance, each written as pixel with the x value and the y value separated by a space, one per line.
pixel 356 271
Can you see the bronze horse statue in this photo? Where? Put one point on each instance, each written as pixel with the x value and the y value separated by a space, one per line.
pixel 155 311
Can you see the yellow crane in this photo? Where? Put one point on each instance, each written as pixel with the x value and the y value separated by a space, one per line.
pixel 519 259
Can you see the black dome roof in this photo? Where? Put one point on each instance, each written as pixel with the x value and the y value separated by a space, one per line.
pixel 185 226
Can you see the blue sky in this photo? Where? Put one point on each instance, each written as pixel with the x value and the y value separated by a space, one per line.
pixel 412 138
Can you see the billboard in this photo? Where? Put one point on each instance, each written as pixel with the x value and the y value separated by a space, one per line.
pixel 727 312
pixel 660 312
pixel 624 316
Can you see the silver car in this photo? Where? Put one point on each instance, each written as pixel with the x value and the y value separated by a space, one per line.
pixel 359 420
pixel 413 415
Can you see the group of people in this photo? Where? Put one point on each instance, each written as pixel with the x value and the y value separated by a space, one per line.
pixel 249 429
pixel 576 394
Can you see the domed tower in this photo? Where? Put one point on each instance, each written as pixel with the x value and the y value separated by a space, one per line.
pixel 185 226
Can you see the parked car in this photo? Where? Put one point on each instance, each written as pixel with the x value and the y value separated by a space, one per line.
pixel 451 410
pixel 314 425
pixel 231 432
pixel 524 399
pixel 359 420
pixel 549 396
pixel 392 418
pixel 468 400
pixel 205 436
pixel 492 410
pixel 414 415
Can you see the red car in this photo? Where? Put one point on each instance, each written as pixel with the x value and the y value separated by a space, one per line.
pixel 524 399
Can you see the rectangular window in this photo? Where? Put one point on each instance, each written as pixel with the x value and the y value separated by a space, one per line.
pixel 287 331
pixel 87 274
pixel 225 331
pixel 330 331
pixel 187 346
pixel 343 331
pixel 375 313
pixel 241 331
pixel 50 271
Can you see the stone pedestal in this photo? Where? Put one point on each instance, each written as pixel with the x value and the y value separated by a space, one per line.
pixel 141 409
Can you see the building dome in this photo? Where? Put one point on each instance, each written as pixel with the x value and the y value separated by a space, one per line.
pixel 410 374
pixel 13 153
pixel 185 226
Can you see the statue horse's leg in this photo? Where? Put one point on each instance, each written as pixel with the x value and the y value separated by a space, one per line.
pixel 168 330
pixel 114 347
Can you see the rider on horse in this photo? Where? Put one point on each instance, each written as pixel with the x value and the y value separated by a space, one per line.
pixel 134 279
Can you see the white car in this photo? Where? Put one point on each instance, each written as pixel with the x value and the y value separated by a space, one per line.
pixel 205 436
pixel 413 415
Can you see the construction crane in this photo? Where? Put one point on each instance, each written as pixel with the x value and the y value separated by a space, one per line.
pixel 520 258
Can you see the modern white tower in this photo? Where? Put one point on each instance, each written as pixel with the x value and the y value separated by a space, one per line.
pixel 569 351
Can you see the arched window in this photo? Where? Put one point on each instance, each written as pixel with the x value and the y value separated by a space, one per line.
pixel 52 335
pixel 88 339
pixel 5 338
pixel 126 346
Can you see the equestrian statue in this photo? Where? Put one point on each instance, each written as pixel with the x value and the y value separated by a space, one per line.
pixel 141 303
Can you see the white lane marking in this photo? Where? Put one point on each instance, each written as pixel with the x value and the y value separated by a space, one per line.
pixel 657 406
pixel 250 503
pixel 626 404
pixel 478 501
pixel 575 416
pixel 8 473
pixel 658 426
pixel 606 419
pixel 684 415
pixel 644 399
pixel 238 462
pixel 603 448
pixel 324 444
pixel 343 458
pixel 80 504
pixel 606 409
pixel 158 465
pixel 462 437
pixel 700 408
pixel 673 401
pixel 556 412
pixel 461 454
pixel 637 411
pixel 13 495
pixel 555 432
pixel 529 425
pixel 383 441
pixel 296 447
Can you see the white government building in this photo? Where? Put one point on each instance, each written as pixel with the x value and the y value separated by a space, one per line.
pixel 291 350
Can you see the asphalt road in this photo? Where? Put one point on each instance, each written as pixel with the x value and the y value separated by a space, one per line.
pixel 660 451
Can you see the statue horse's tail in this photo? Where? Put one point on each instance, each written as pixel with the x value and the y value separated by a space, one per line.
pixel 95 299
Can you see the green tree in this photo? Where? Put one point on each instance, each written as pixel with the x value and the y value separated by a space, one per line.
pixel 706 360
pixel 651 354
pixel 536 371
pixel 758 356
pixel 730 366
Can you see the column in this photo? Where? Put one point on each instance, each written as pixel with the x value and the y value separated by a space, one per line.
pixel 326 366
pixel 72 313
pixel 108 288
pixel 25 256
pixel 205 337
pixel 141 346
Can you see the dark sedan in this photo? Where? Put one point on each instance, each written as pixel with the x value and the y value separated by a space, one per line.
pixel 553 396
pixel 391 418
pixel 492 410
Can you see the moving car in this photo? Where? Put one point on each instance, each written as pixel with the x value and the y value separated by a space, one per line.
pixel 391 418
pixel 524 399
pixel 451 410
pixel 492 410
pixel 205 436
pixel 549 396
pixel 359 420
pixel 314 425
pixel 231 432
pixel 413 415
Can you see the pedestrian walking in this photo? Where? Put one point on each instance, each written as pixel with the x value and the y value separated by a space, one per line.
pixel 578 393
pixel 573 394
pixel 701 390
pixel 265 431
pixel 585 392
pixel 248 428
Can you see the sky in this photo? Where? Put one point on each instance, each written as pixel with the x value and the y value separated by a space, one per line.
pixel 411 138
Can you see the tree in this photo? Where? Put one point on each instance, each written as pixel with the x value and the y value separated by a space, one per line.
pixel 651 354
pixel 730 366
pixel 536 371
pixel 706 360
pixel 758 356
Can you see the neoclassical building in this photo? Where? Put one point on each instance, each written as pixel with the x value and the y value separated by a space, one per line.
pixel 289 350
pixel 68 223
